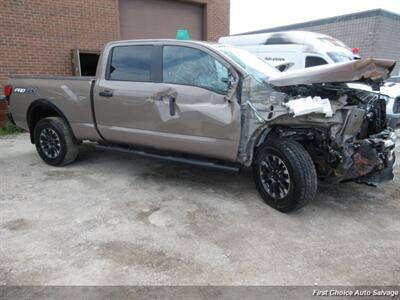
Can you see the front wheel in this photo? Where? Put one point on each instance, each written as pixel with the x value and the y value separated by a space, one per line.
pixel 285 175
pixel 54 142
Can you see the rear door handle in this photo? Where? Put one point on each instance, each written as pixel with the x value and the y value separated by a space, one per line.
pixel 106 93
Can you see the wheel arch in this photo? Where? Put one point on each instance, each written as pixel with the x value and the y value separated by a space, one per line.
pixel 43 108
pixel 258 137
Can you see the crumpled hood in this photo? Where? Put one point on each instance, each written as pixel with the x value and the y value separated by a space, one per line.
pixel 356 70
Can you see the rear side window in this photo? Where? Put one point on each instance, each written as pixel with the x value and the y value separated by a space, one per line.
pixel 130 63
pixel 190 66
pixel 312 61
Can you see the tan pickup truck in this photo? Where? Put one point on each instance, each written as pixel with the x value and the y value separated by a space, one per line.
pixel 216 105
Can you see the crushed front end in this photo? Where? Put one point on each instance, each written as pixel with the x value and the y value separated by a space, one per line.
pixel 354 143
pixel 344 131
pixel 370 160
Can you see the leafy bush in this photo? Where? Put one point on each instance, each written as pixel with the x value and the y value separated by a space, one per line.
pixel 9 129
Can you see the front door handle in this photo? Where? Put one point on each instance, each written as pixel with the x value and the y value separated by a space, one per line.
pixel 172 106
pixel 171 103
pixel 106 93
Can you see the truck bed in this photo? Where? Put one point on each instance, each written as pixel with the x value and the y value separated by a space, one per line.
pixel 70 95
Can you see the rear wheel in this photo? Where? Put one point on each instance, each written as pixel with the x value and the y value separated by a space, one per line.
pixel 54 142
pixel 285 175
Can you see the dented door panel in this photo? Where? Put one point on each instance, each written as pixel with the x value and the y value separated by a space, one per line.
pixel 200 114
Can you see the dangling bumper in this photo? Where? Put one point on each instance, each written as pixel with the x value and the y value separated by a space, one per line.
pixel 371 160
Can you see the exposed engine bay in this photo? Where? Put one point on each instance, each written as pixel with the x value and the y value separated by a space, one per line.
pixel 343 129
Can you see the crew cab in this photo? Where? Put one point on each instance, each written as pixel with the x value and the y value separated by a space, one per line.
pixel 217 105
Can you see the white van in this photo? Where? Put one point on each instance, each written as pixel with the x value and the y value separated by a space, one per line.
pixel 291 50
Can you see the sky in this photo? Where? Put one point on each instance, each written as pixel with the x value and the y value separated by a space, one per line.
pixel 248 15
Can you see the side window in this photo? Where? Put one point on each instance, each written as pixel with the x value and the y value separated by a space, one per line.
pixel 312 61
pixel 130 63
pixel 189 66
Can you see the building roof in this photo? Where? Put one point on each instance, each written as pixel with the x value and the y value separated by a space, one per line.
pixel 353 16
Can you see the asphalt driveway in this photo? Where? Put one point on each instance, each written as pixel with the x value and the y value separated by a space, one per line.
pixel 118 219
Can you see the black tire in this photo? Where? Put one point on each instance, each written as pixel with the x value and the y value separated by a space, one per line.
pixel 289 186
pixel 54 142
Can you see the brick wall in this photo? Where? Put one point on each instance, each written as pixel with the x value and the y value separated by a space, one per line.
pixel 37 36
pixel 217 17
pixel 387 44
pixel 354 33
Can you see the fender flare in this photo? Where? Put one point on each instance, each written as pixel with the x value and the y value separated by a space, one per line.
pixel 48 104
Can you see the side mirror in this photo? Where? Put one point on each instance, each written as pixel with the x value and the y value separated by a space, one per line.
pixel 231 80
pixel 231 87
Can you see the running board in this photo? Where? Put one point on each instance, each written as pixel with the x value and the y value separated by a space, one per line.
pixel 169 157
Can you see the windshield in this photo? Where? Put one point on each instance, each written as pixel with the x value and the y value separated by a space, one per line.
pixel 340 56
pixel 255 66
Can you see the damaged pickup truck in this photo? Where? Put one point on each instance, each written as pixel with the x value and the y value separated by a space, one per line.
pixel 217 105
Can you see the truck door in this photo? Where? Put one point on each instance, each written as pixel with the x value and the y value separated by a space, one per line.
pixel 123 94
pixel 172 101
pixel 202 120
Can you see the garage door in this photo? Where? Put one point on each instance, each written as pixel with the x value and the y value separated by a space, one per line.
pixel 159 19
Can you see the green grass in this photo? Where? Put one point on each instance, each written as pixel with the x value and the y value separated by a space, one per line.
pixel 9 129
